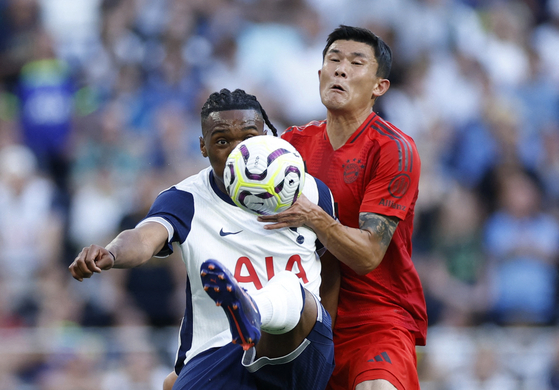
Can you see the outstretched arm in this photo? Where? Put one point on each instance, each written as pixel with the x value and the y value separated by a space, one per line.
pixel 130 248
pixel 360 249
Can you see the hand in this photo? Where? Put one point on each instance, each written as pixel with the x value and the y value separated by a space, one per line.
pixel 92 259
pixel 295 216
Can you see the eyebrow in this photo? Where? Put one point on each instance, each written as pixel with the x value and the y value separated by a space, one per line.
pixel 219 130
pixel 354 54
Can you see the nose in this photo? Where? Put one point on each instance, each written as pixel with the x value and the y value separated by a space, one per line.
pixel 340 71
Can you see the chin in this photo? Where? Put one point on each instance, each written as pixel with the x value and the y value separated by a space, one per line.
pixel 332 104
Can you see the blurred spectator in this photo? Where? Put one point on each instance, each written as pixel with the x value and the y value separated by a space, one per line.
pixel 486 373
pixel 537 113
pixel 174 142
pixel 111 149
pixel 95 213
pixel 19 23
pixel 46 91
pixel 74 26
pixel 505 58
pixel 154 290
pixel 454 275
pixel 31 231
pixel 549 168
pixel 70 371
pixel 139 370
pixel 552 374
pixel 546 42
pixel 139 365
pixel 523 245
pixel 291 69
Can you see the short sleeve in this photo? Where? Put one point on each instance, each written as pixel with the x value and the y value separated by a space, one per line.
pixel 175 209
pixel 393 188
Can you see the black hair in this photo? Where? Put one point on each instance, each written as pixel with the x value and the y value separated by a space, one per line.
pixel 382 51
pixel 226 100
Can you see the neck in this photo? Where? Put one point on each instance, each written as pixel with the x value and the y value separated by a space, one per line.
pixel 218 182
pixel 340 126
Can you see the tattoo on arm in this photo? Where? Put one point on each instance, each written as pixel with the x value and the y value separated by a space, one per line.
pixel 380 225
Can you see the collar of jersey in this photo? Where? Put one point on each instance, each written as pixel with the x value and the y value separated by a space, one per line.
pixel 218 192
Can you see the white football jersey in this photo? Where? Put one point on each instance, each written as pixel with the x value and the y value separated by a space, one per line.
pixel 207 225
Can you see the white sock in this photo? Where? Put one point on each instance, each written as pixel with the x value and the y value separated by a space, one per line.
pixel 280 303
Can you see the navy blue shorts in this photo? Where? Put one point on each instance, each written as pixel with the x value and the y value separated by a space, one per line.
pixel 307 368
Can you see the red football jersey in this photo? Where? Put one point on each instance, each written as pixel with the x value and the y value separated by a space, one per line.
pixel 376 170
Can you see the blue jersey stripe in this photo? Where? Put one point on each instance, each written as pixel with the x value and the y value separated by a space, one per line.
pixel 186 331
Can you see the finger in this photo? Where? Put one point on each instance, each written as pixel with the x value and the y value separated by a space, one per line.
pixel 274 226
pixel 83 270
pixel 268 218
pixel 81 264
pixel 76 266
pixel 75 273
pixel 91 260
pixel 91 264
pixel 104 262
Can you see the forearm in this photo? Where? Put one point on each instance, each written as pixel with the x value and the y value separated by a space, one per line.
pixel 130 249
pixel 362 249
pixel 359 249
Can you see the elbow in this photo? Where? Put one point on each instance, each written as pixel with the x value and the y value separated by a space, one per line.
pixel 363 270
pixel 364 267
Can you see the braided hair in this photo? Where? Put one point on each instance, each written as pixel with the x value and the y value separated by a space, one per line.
pixel 225 100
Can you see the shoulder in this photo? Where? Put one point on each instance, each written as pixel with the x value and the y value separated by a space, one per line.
pixel 310 129
pixel 199 181
pixel 394 145
pixel 183 195
pixel 319 193
pixel 388 134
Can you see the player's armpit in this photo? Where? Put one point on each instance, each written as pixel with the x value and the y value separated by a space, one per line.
pixel 382 226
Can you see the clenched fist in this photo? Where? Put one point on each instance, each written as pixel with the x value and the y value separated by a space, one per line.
pixel 92 259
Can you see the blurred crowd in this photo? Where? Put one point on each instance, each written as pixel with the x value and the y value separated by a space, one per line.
pixel 99 112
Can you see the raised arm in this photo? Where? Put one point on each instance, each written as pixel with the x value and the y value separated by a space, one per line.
pixel 360 249
pixel 130 248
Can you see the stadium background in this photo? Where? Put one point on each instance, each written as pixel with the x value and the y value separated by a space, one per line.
pixel 99 111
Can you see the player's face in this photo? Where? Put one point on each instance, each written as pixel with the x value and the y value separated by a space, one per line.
pixel 223 130
pixel 348 81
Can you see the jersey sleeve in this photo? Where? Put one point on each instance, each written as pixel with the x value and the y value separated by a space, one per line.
pixel 288 133
pixel 320 194
pixel 174 209
pixel 392 189
pixel 325 198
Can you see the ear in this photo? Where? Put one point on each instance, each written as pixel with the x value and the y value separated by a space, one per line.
pixel 319 72
pixel 203 147
pixel 380 88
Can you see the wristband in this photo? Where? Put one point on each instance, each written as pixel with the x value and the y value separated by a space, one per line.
pixel 113 255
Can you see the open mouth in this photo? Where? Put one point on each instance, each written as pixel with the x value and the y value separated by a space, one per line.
pixel 337 87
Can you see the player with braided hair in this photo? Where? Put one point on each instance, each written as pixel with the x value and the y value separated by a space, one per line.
pixel 236 100
pixel 253 318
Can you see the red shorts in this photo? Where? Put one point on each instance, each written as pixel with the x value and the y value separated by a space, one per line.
pixel 374 352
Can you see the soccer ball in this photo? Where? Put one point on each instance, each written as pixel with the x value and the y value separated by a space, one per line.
pixel 264 175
